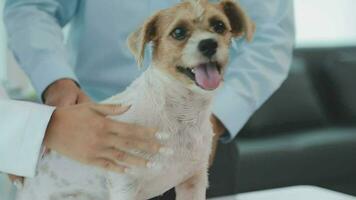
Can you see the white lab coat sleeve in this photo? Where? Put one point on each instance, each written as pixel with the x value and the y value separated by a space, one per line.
pixel 22 129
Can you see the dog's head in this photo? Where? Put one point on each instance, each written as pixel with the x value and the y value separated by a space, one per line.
pixel 191 40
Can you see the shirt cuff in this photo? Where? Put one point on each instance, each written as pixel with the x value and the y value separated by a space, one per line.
pixel 232 110
pixel 33 138
pixel 49 71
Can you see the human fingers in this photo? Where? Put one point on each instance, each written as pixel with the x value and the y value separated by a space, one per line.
pixel 15 178
pixel 108 164
pixel 110 109
pixel 63 92
pixel 65 101
pixel 128 144
pixel 83 98
pixel 128 130
pixel 116 156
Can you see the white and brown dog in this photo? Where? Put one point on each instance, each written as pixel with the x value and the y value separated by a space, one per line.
pixel 190 51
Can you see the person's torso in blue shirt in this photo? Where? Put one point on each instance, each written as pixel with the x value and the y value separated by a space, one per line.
pixel 97 41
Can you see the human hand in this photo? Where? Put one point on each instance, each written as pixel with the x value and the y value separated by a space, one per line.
pixel 218 129
pixel 84 133
pixel 16 180
pixel 64 92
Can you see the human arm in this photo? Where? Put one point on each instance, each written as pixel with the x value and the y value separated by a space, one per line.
pixel 256 69
pixel 89 137
pixel 34 30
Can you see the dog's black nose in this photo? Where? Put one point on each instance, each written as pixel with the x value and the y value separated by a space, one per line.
pixel 208 47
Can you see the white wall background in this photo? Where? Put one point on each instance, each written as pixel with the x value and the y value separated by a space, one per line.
pixel 325 23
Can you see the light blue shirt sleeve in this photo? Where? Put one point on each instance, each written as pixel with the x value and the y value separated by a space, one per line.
pixel 256 69
pixel 43 55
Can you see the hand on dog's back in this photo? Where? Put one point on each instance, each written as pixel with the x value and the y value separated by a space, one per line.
pixel 84 133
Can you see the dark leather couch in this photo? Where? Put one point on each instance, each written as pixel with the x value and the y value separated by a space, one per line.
pixel 304 134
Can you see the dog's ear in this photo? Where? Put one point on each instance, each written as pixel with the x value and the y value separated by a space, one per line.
pixel 240 23
pixel 146 33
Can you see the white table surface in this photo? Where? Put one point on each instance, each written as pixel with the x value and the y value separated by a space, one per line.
pixel 291 193
pixel 288 193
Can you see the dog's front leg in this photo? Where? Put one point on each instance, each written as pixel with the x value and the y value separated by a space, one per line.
pixel 194 188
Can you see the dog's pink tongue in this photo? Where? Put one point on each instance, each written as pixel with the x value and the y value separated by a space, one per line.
pixel 207 76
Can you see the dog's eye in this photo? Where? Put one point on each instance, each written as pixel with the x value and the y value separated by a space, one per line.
pixel 218 26
pixel 179 33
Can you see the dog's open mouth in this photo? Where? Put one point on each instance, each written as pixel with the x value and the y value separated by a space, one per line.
pixel 206 75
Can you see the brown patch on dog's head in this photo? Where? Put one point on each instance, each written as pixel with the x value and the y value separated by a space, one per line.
pixel 192 37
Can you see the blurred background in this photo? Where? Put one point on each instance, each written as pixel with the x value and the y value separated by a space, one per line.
pixel 306 133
